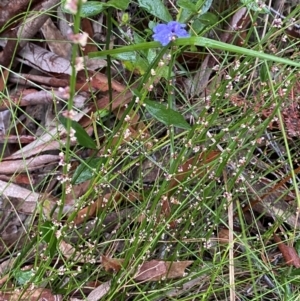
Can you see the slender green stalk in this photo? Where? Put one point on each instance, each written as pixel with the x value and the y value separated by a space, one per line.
pixel 199 41
pixel 74 55
pixel 108 58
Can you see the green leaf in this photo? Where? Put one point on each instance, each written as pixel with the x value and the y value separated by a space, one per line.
pixel 91 8
pixel 297 246
pixel 102 113
pixel 165 115
pixel 187 4
pixel 264 72
pixel 125 56
pixel 202 21
pixel 23 277
pixel 47 231
pixel 81 135
pixel 197 26
pixel 139 66
pixel 151 55
pixel 133 62
pixel 208 18
pixel 204 6
pixel 85 171
pixel 125 18
pixel 118 4
pixel 137 38
pixel 295 272
pixel 156 8
pixel 48 236
pixel 201 7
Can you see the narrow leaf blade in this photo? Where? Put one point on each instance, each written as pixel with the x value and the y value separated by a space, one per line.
pixel 81 135
pixel 165 115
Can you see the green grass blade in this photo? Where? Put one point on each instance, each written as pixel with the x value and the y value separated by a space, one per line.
pixel 199 41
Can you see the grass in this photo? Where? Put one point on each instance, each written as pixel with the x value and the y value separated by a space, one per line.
pixel 207 193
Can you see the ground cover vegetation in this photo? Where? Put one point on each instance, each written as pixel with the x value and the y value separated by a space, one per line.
pixel 149 150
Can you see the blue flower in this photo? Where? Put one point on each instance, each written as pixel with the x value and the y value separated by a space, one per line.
pixel 164 33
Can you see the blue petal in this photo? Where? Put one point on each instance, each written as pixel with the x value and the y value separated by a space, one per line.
pixel 163 37
pixel 160 27
pixel 164 33
pixel 174 26
pixel 182 33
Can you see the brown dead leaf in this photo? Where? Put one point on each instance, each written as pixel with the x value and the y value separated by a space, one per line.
pixel 69 252
pixel 187 169
pixel 133 121
pixel 111 264
pixel 289 253
pixel 30 97
pixel 93 63
pixel 47 141
pixel 176 269
pixel 27 152
pixel 28 199
pixel 223 236
pixel 10 167
pixel 87 27
pixel 37 294
pixel 199 161
pixel 91 210
pixel 166 211
pixel 5 123
pixel 99 292
pixel 156 270
pixel 18 179
pixel 4 280
pixel 119 100
pixel 293 32
pixel 102 201
pixel 273 202
pixel 87 80
pixel 77 191
pixel 44 60
pixel 3 78
pixel 10 9
pixel 240 20
pixel 16 139
pixel 99 81
pixel 153 270
pixel 55 40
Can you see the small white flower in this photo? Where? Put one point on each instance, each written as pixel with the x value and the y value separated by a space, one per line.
pixel 161 63
pixel 79 63
pixel 69 114
pixel 216 67
pixel 64 93
pixel 127 133
pixel 277 23
pixel 79 38
pixel 72 135
pixel 71 6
